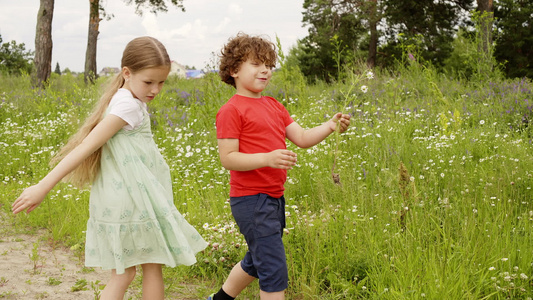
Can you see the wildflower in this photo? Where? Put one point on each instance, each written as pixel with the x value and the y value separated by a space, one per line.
pixel 481 122
pixel 505 259
pixel 369 75
pixel 442 175
pixel 492 268
pixel 364 89
pixel 523 276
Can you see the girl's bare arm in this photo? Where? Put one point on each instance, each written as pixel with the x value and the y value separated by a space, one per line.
pixel 34 195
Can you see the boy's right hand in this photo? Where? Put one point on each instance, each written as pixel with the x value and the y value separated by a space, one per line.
pixel 281 159
pixel 29 199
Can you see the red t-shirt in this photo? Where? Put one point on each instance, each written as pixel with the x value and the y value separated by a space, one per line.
pixel 259 124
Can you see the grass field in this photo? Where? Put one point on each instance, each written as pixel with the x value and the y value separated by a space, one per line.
pixel 435 198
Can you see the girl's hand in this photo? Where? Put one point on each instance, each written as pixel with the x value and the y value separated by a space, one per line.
pixel 342 119
pixel 29 199
pixel 281 159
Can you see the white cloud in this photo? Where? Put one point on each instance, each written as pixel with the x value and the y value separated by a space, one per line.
pixel 190 37
pixel 235 9
pixel 149 23
pixel 222 25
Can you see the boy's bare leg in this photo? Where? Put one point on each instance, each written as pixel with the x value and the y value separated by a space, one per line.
pixel 237 281
pixel 118 284
pixel 272 296
pixel 153 286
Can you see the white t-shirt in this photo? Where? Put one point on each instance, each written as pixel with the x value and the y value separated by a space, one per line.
pixel 128 108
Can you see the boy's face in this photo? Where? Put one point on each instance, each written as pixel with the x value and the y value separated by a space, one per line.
pixel 252 78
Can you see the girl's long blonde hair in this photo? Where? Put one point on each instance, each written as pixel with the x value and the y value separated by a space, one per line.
pixel 140 53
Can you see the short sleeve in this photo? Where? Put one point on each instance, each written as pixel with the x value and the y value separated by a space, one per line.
pixel 287 119
pixel 228 122
pixel 124 106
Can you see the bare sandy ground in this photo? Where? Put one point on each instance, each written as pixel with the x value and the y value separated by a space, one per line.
pixel 31 268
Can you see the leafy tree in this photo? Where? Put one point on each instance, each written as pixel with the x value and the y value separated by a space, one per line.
pixel 434 21
pixel 335 35
pixel 14 58
pixel 342 31
pixel 97 12
pixel 43 42
pixel 514 41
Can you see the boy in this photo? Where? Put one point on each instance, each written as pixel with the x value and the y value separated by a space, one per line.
pixel 251 132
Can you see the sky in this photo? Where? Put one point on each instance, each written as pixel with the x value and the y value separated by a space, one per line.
pixel 192 38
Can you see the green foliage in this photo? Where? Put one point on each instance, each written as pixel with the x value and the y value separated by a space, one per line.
pixel 52 281
pixel 14 58
pixel 433 34
pixel 459 63
pixel 514 39
pixel 80 285
pixel 435 193
pixel 318 58
pixel 450 37
pixel 288 82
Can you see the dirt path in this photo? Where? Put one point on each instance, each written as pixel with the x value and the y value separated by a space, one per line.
pixel 31 269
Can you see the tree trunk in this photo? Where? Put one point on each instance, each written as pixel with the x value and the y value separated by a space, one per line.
pixel 486 9
pixel 90 55
pixel 373 44
pixel 43 43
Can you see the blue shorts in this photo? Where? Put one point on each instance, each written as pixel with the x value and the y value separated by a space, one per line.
pixel 261 220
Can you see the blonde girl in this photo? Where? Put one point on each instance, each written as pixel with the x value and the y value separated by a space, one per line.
pixel 132 217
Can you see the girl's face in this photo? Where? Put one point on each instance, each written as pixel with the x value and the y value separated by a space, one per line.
pixel 146 83
pixel 252 78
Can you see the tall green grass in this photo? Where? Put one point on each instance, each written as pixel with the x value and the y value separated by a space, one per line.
pixel 434 200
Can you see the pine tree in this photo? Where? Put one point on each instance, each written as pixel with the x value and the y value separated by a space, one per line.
pixel 58 69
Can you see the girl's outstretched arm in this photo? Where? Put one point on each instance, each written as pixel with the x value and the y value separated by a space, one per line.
pixel 310 137
pixel 34 195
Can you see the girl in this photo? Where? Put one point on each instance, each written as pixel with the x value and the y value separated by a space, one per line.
pixel 133 220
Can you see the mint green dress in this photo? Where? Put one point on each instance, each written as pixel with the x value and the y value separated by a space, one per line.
pixel 133 219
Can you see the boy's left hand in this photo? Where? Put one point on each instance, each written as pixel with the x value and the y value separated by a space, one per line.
pixel 343 120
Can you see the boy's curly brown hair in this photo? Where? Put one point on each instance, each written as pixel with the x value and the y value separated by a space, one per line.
pixel 241 48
